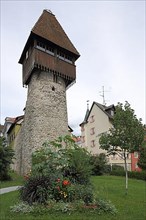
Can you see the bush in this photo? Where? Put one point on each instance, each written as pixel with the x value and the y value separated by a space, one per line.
pixel 99 164
pixel 36 189
pixel 131 174
pixel 106 206
pixel 137 175
pixel 80 192
pixel 117 168
pixel 78 169
pixel 6 156
pixel 60 171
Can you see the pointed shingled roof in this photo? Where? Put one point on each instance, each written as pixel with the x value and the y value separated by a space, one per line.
pixel 48 28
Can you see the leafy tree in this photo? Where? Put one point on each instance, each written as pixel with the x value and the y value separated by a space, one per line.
pixel 126 135
pixel 142 157
pixel 6 156
pixel 98 163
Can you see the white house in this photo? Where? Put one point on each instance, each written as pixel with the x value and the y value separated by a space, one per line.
pixel 99 120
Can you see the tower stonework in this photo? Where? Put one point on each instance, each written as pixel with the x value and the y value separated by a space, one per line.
pixel 48 61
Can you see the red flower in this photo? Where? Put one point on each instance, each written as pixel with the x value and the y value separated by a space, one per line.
pixel 65 182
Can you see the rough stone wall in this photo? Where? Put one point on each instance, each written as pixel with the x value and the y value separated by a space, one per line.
pixel 45 117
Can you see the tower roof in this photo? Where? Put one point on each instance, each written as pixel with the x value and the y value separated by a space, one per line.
pixel 48 28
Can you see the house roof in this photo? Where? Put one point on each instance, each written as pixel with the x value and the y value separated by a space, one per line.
pixel 48 28
pixel 9 119
pixel 104 108
pixel 70 129
pixel 86 116
pixel 16 121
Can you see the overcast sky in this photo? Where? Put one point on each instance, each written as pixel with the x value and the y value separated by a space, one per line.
pixel 110 37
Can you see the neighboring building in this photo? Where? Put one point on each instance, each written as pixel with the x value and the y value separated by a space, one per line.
pixel 97 121
pixel 77 140
pixel 14 130
pixel 134 162
pixel 8 122
pixel 12 134
pixel 48 64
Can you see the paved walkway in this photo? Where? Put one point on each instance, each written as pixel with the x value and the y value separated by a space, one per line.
pixel 9 189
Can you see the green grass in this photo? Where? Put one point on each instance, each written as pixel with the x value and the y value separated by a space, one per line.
pixel 130 207
pixel 15 181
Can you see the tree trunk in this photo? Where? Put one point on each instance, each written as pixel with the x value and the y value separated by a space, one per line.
pixel 126 172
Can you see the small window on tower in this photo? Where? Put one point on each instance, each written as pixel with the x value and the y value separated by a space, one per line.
pixel 26 55
pixel 55 78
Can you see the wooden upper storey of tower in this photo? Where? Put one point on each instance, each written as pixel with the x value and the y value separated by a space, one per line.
pixel 49 48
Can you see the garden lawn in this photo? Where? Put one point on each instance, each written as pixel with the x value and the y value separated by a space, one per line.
pixel 130 207
pixel 16 180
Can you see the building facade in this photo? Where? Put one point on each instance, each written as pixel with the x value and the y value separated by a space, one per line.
pixel 97 121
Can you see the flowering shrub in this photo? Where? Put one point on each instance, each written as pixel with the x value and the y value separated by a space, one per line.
pixel 59 179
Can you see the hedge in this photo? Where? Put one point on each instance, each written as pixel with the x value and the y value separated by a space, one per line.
pixel 131 174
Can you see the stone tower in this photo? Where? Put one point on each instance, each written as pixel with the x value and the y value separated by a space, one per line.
pixel 48 66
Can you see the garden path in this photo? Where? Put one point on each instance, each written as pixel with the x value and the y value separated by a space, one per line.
pixel 9 189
